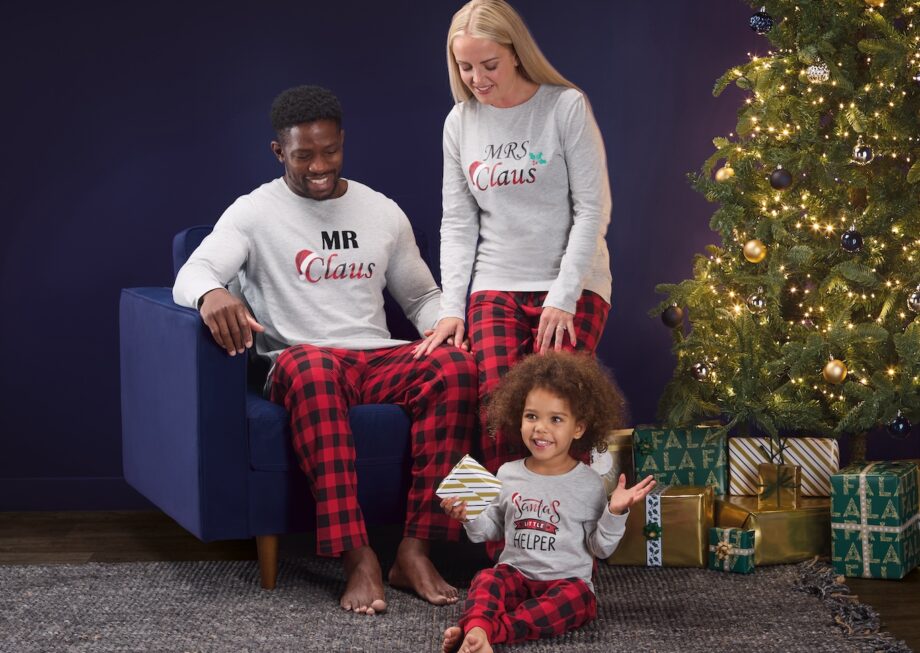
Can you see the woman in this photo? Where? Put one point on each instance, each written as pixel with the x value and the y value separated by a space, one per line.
pixel 526 205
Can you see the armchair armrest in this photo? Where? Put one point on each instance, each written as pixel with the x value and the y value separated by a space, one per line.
pixel 184 429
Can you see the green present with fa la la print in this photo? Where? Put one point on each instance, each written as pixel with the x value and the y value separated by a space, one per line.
pixel 874 519
pixel 681 456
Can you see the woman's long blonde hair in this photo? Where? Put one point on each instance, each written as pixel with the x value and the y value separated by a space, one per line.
pixel 497 21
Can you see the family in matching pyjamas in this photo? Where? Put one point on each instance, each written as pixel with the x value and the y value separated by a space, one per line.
pixel 526 203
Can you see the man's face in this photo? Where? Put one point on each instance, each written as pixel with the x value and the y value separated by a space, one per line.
pixel 312 156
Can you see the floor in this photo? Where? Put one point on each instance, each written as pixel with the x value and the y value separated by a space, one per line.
pixel 75 537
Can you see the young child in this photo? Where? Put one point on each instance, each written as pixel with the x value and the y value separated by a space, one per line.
pixel 551 511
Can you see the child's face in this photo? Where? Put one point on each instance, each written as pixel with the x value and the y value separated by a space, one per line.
pixel 548 427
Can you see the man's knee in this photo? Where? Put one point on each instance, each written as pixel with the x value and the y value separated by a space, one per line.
pixel 305 364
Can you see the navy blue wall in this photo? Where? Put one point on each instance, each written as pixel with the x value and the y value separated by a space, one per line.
pixel 125 122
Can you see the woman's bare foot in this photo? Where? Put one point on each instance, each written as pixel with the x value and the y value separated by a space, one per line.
pixel 452 637
pixel 413 570
pixel 364 592
pixel 476 642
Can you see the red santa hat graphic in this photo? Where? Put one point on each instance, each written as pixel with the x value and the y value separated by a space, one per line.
pixel 302 261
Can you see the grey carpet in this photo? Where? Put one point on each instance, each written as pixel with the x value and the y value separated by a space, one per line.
pixel 218 606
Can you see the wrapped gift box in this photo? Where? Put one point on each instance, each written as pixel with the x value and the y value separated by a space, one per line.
pixel 780 536
pixel 471 482
pixel 681 456
pixel 778 486
pixel 618 459
pixel 874 519
pixel 669 529
pixel 818 458
pixel 731 549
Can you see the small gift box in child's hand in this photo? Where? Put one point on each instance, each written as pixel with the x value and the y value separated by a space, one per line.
pixel 731 549
pixel 470 482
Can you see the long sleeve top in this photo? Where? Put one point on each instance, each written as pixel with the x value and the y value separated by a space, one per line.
pixel 314 271
pixel 553 526
pixel 526 200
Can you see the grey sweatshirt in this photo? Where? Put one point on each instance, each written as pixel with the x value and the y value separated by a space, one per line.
pixel 554 526
pixel 526 200
pixel 314 271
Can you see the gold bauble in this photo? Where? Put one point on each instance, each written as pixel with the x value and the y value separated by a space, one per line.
pixel 755 251
pixel 875 3
pixel 835 371
pixel 725 173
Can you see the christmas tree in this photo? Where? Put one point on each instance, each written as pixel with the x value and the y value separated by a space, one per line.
pixel 805 319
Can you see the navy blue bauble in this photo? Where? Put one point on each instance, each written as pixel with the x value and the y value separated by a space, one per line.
pixel 672 316
pixel 780 179
pixel 899 427
pixel 851 240
pixel 761 22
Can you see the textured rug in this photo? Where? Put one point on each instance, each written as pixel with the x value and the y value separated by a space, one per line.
pixel 218 606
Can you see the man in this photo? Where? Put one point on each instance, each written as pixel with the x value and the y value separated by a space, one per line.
pixel 313 252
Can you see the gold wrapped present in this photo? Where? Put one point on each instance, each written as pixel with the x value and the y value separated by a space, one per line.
pixel 471 482
pixel 670 529
pixel 780 536
pixel 818 458
pixel 616 460
pixel 778 486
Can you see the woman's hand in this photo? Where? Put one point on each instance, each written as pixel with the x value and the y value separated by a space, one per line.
pixel 449 330
pixel 622 498
pixel 454 508
pixel 554 324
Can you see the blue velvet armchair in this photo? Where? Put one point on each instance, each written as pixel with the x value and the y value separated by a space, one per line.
pixel 201 443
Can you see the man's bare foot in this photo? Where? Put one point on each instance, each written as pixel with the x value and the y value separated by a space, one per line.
pixel 452 637
pixel 414 571
pixel 364 582
pixel 476 642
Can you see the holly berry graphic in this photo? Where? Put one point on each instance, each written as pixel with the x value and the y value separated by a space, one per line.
pixel 537 158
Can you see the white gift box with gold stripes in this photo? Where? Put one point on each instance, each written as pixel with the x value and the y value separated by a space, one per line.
pixel 818 458
pixel 472 483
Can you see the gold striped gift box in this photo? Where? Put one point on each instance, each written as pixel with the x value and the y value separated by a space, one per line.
pixel 818 458
pixel 471 482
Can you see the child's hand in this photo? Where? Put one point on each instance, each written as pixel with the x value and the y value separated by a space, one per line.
pixel 454 508
pixel 623 498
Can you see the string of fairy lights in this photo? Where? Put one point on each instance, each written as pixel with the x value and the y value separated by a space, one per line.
pixel 811 218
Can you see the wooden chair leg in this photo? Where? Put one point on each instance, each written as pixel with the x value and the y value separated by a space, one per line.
pixel 267 547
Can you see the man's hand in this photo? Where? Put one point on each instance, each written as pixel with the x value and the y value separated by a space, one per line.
pixel 554 325
pixel 229 321
pixel 449 330
pixel 622 498
pixel 454 508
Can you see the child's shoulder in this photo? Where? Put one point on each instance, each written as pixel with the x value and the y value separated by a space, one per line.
pixel 510 469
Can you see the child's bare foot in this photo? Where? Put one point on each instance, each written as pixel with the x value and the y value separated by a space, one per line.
pixel 364 592
pixel 452 637
pixel 414 571
pixel 476 642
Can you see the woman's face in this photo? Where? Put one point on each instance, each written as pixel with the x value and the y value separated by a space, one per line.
pixel 488 69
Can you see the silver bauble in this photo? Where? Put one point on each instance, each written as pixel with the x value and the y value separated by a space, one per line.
pixel 818 73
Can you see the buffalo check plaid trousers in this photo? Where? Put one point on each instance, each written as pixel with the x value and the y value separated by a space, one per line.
pixel 512 608
pixel 317 385
pixel 503 329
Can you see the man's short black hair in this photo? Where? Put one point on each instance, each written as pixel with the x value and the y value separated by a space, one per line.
pixel 304 104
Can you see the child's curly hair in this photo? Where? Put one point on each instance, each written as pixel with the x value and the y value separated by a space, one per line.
pixel 590 390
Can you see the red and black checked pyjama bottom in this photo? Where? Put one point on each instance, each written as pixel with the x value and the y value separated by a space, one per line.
pixel 503 329
pixel 512 608
pixel 317 385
